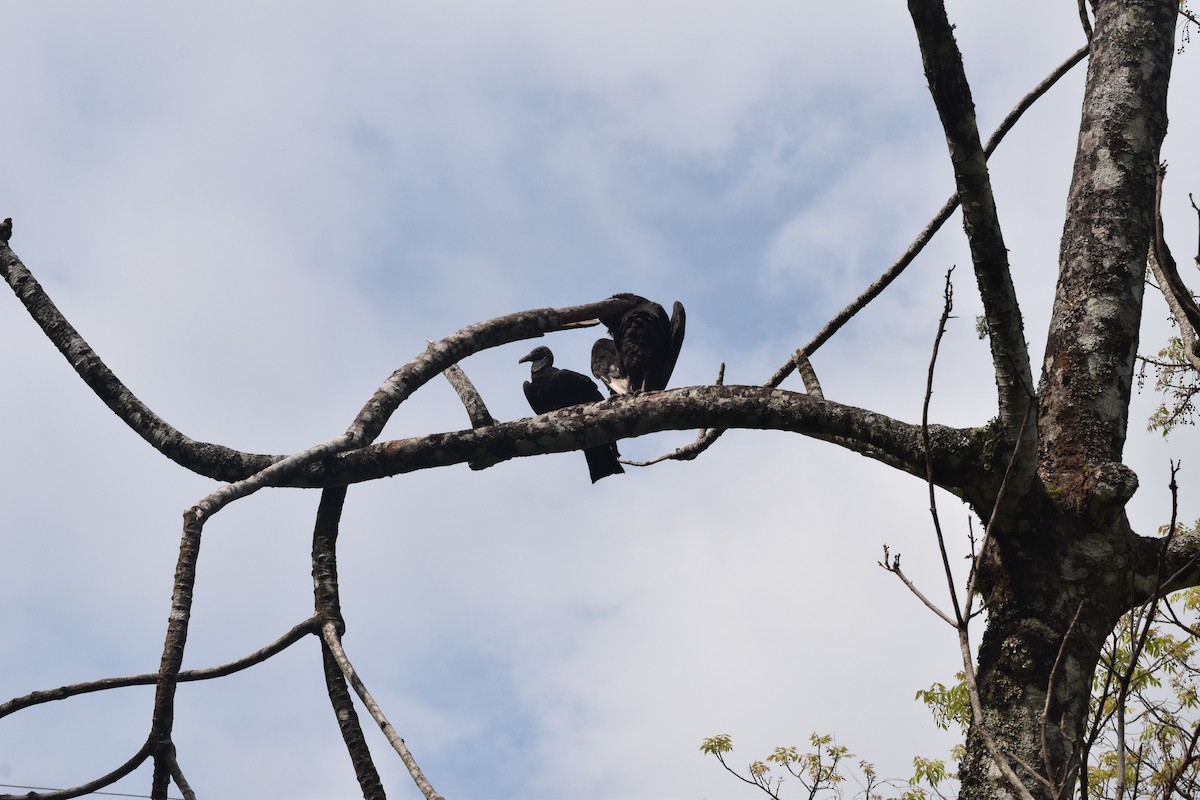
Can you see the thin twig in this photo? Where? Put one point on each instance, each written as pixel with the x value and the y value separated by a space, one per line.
pixel 308 627
pixel 1138 638
pixel 333 641
pixel 893 566
pixel 947 307
pixel 704 438
pixel 901 263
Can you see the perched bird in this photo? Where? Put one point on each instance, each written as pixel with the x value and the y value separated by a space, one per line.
pixel 550 389
pixel 644 348
pixel 606 365
pixel 6 229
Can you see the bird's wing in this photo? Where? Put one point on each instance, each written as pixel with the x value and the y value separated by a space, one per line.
pixel 644 344
pixel 606 365
pixel 678 328
pixel 536 394
pixel 572 388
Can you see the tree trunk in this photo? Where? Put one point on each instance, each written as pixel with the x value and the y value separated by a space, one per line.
pixel 1063 564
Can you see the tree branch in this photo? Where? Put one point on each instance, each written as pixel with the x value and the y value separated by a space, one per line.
pixel 957 453
pixel 306 628
pixel 952 96
pixel 333 641
pixel 327 601
pixel 935 224
pixel 226 464
pixel 1166 273
pixel 129 766
pixel 1091 343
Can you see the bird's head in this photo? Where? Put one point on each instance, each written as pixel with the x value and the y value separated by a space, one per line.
pixel 540 358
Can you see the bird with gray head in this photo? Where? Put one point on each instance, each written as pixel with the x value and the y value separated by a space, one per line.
pixel 550 388
pixel 644 347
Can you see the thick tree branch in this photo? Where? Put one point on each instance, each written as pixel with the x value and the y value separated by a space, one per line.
pixel 226 464
pixel 327 600
pixel 958 454
pixel 699 407
pixel 162 720
pixel 1092 342
pixel 214 460
pixel 952 96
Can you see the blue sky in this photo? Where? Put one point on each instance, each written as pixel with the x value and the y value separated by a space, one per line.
pixel 255 213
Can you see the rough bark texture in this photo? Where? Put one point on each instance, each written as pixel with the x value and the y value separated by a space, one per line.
pixel 1064 564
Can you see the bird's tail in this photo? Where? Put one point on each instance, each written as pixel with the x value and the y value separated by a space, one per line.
pixel 602 461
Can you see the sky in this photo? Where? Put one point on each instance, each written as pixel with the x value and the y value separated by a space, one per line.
pixel 256 212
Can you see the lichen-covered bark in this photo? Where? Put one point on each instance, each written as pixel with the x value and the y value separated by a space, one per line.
pixel 1093 337
pixel 1064 565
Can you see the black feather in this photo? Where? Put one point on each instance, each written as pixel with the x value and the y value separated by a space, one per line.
pixel 550 389
pixel 645 344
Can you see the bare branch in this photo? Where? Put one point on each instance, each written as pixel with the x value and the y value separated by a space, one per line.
pixel 226 464
pixel 956 452
pixel 893 566
pixel 1166 273
pixel 808 374
pixel 703 440
pixel 333 641
pixel 477 410
pixel 327 601
pixel 306 628
pixel 935 224
pixel 162 720
pixel 472 401
pixel 129 766
pixel 178 776
pixel 947 307
pixel 989 256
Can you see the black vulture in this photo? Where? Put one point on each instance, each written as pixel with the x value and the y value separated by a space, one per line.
pixel 606 365
pixel 551 388
pixel 644 347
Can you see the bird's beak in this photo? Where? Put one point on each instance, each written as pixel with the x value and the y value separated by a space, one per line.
pixel 524 358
